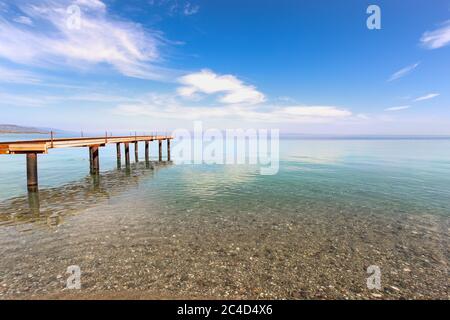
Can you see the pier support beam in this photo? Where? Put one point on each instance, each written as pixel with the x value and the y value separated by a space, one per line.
pixel 95 163
pixel 119 153
pixel 136 152
pixel 168 149
pixel 127 154
pixel 160 150
pixel 32 173
pixel 119 156
pixel 147 151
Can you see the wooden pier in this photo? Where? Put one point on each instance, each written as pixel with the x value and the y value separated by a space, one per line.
pixel 32 148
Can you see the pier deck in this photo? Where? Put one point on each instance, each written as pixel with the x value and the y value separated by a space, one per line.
pixel 43 145
pixel 32 148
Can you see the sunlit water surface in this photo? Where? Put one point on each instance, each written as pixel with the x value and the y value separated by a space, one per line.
pixel 170 230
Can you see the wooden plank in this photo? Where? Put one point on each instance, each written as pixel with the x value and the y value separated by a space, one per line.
pixel 4 149
pixel 42 145
pixel 28 147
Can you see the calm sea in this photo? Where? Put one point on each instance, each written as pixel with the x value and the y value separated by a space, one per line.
pixel 335 204
pixel 414 173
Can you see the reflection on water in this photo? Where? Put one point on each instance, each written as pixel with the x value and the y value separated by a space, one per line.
pixel 211 231
pixel 49 206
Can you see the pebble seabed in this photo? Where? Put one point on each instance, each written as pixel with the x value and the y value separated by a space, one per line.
pixel 246 255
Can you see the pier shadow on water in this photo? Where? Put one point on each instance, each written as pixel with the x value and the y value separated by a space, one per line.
pixel 48 207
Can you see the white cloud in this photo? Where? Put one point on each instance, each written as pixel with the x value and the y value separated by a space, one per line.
pixel 362 116
pixel 100 39
pixel 13 75
pixel 38 99
pixel 18 76
pixel 403 72
pixel 168 107
pixel 437 38
pixel 190 9
pixel 101 98
pixel 426 97
pixel 22 100
pixel 397 108
pixel 323 112
pixel 95 4
pixel 207 82
pixel 24 20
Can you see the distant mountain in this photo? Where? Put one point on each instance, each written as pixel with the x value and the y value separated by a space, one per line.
pixel 11 128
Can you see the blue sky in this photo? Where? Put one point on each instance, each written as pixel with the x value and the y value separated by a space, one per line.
pixel 300 66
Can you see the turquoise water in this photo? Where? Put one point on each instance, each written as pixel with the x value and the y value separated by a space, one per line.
pixel 410 173
pixel 217 231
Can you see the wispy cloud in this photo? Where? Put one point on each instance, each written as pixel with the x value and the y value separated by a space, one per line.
pixel 39 99
pixel 177 7
pixel 207 82
pixel 14 75
pixel 25 100
pixel 95 4
pixel 294 114
pixel 427 97
pixel 24 20
pixel 100 39
pixel 403 72
pixel 190 9
pixel 10 75
pixel 397 108
pixel 168 107
pixel 102 98
pixel 437 38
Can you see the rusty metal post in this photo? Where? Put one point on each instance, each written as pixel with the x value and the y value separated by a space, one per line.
pixel 160 150
pixel 168 149
pixel 119 153
pixel 32 172
pixel 95 163
pixel 136 152
pixel 127 154
pixel 91 161
pixel 147 151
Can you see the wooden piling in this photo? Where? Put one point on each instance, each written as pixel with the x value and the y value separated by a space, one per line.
pixel 32 173
pixel 136 152
pixel 119 156
pixel 127 154
pixel 90 160
pixel 168 149
pixel 147 151
pixel 95 163
pixel 160 150
pixel 119 153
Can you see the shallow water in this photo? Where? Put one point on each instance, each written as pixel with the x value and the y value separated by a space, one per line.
pixel 169 230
